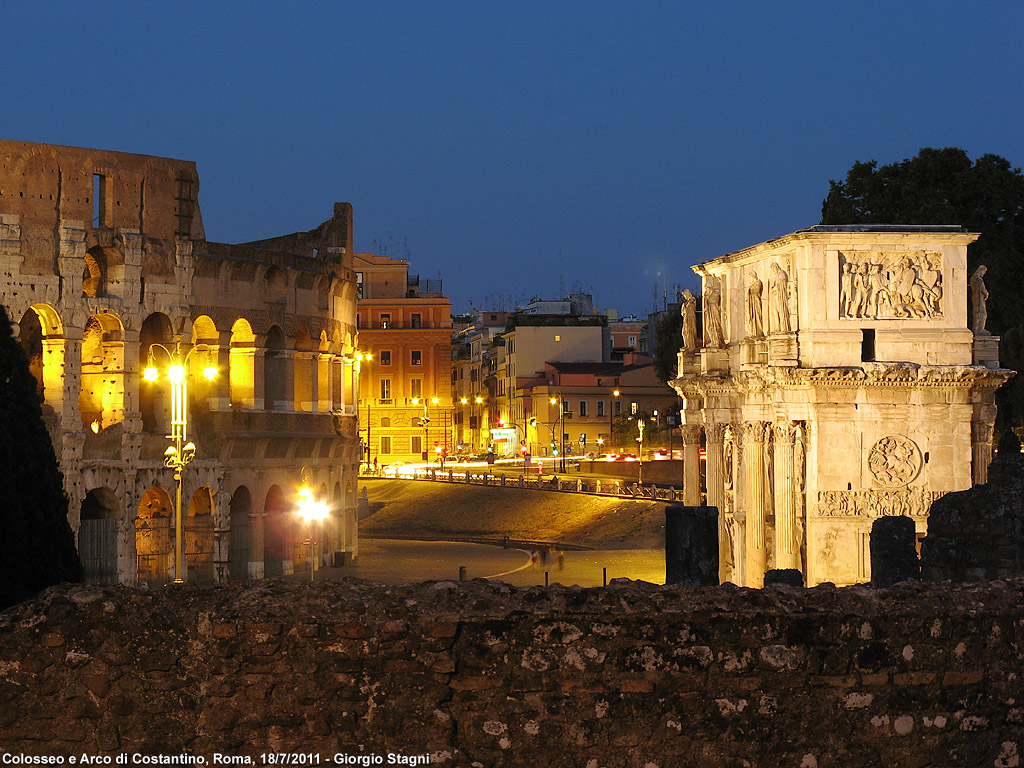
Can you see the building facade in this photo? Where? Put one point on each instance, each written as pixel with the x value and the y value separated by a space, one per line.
pixel 106 268
pixel 405 327
pixel 837 379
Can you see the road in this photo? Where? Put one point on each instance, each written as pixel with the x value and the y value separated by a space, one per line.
pixel 399 562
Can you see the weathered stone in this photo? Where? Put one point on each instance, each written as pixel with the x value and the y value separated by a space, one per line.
pixel 691 546
pixel 894 551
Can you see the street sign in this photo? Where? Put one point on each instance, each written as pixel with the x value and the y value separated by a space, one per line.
pixel 583 438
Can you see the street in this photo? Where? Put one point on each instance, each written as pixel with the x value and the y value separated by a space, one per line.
pixel 394 561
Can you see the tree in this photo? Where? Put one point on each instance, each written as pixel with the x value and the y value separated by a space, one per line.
pixel 667 341
pixel 942 186
pixel 37 547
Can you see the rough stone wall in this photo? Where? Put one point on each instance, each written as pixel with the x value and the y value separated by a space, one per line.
pixel 487 675
pixel 979 533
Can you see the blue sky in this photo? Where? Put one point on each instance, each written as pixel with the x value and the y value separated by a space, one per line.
pixel 520 148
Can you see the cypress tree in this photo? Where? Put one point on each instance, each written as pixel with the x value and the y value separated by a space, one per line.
pixel 37 546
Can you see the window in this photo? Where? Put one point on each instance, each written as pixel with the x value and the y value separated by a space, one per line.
pixel 557 337
pixel 385 320
pixel 417 320
pixel 417 357
pixel 385 444
pixel 618 407
pixel 416 444
pixel 385 357
pixel 632 341
pixel 416 387
pixel 385 422
pixel 359 285
pixel 633 409
pixel 583 407
pixel 385 390
pixel 100 211
pixel 867 345
pixel 600 407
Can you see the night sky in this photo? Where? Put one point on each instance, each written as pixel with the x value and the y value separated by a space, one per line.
pixel 520 149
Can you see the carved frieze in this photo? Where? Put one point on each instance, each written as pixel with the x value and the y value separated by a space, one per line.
pixel 894 461
pixel 912 502
pixel 890 285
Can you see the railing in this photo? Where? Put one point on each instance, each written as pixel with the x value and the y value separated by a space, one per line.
pixel 588 486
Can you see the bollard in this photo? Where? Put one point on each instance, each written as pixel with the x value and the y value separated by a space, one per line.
pixel 545 578
pixel 691 546
pixel 462 573
pixel 504 543
pixel 791 577
pixel 604 576
pixel 894 551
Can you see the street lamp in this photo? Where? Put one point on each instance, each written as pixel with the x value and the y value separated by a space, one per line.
pixel 611 421
pixel 312 511
pixel 181 452
pixel 359 358
pixel 561 442
pixel 640 424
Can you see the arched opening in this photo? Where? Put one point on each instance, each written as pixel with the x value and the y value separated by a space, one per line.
pixel 199 538
pixel 242 366
pixel 276 556
pixel 154 397
pixel 323 374
pixel 337 373
pixel 240 544
pixel 97 537
pixel 154 540
pixel 202 391
pixel 304 367
pixel 101 397
pixel 94 277
pixel 31 337
pixel 274 368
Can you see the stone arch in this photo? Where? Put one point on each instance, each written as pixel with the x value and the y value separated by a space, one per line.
pixel 240 545
pixel 154 398
pixel 154 537
pixel 322 289
pixel 275 285
pixel 277 557
pixel 325 534
pixel 94 276
pixel 326 365
pixel 202 391
pixel 274 368
pixel 242 365
pixel 101 393
pixel 97 536
pixel 199 537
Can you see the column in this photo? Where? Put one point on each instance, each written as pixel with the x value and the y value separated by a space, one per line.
pixel 981 451
pixel 715 468
pixel 691 464
pixel 787 554
pixel 753 472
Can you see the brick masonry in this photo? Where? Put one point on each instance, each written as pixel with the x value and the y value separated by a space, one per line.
pixel 489 675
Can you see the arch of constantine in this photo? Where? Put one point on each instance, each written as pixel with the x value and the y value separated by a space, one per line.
pixel 104 256
pixel 838 380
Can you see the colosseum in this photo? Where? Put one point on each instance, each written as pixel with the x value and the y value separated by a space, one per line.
pixel 106 268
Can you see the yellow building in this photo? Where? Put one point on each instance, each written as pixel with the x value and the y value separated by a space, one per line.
pixel 405 328
pixel 106 267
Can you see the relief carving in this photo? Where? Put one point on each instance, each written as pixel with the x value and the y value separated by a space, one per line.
pixel 894 461
pixel 890 285
pixel 911 502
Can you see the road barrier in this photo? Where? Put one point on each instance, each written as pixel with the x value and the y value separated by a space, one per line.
pixel 590 486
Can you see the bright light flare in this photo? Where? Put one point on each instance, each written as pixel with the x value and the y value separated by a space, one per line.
pixel 313 511
pixel 210 372
pixel 151 374
pixel 176 373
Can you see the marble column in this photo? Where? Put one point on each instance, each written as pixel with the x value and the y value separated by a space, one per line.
pixel 691 464
pixel 753 501
pixel 787 554
pixel 715 468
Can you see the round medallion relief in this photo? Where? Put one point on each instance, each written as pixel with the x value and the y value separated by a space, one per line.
pixel 894 461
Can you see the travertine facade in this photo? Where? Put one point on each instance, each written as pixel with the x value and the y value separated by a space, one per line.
pixel 104 256
pixel 837 380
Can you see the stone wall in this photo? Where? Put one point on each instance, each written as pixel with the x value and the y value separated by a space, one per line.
pixel 485 674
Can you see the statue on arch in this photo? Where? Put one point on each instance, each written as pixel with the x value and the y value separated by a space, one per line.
pixel 778 299
pixel 979 297
pixel 713 311
pixel 755 326
pixel 688 309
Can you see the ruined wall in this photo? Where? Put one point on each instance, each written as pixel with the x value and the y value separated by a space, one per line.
pixel 484 674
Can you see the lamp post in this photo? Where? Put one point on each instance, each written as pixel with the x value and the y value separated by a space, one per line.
pixel 479 416
pixel 312 511
pixel 640 424
pixel 611 420
pixel 561 439
pixel 181 453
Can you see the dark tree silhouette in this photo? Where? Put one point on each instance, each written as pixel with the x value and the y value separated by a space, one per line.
pixel 942 186
pixel 37 547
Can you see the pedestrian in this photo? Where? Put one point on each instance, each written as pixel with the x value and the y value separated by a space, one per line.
pixel 533 558
pixel 561 560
